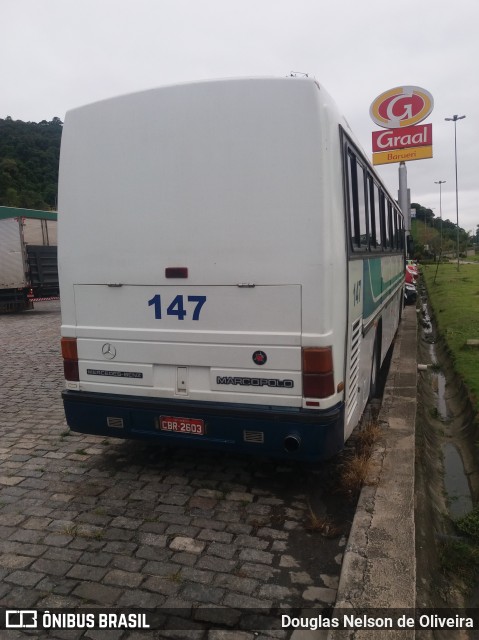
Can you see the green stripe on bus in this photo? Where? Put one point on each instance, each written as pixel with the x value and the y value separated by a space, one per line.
pixel 376 289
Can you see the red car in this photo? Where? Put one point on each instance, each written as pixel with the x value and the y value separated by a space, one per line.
pixel 412 268
pixel 410 277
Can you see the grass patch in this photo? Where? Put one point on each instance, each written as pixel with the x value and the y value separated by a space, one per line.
pixel 461 559
pixel 454 300
pixel 460 556
pixel 469 525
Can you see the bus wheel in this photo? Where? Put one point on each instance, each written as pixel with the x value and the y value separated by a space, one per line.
pixel 375 366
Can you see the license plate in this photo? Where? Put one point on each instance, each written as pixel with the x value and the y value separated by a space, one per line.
pixel 192 426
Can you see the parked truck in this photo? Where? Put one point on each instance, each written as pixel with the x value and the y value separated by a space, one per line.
pixel 28 257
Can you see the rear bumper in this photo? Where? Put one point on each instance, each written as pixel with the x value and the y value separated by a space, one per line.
pixel 241 428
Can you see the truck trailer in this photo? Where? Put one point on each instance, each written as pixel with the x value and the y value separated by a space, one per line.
pixel 28 257
pixel 14 276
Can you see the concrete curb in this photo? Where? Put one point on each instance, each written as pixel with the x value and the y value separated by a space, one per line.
pixel 379 564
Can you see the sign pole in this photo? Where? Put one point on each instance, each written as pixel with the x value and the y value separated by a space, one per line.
pixel 398 111
pixel 403 202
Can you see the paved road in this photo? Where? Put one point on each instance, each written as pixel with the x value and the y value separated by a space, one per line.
pixel 87 521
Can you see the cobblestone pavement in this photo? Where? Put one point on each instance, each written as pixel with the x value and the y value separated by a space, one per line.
pixel 93 522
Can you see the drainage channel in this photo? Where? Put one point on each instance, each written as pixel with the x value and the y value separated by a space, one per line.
pixel 453 418
pixel 450 408
pixel 447 471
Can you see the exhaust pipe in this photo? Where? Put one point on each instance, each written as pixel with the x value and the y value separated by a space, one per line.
pixel 292 442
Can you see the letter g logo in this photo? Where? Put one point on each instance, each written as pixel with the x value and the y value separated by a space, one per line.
pixel 401 107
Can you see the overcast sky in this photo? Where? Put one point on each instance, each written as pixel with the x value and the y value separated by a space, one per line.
pixel 60 54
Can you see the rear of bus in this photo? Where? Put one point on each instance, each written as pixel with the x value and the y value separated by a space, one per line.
pixel 202 268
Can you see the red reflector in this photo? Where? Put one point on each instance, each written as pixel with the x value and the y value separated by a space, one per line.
pixel 317 360
pixel 318 385
pixel 318 373
pixel 69 348
pixel 176 272
pixel 70 359
pixel 70 369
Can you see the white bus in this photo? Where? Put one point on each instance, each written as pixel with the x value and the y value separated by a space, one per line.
pixel 231 268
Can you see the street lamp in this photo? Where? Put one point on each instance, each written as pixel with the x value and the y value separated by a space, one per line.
pixel 440 183
pixel 454 119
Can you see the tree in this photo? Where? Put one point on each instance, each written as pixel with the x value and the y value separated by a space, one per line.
pixel 439 236
pixel 422 213
pixel 29 157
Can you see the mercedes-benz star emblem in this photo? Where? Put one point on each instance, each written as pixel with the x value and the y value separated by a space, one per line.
pixel 108 351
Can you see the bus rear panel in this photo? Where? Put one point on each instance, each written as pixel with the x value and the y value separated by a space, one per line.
pixel 203 268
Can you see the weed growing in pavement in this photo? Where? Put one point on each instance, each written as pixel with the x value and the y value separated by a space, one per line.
pixel 349 475
pixel 175 577
pixel 323 525
pixel 257 523
pixel 149 518
pixel 70 530
pixel 355 472
pixel 75 531
pixel 367 437
pixel 358 463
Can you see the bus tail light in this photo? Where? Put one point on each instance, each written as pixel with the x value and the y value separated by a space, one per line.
pixel 70 359
pixel 318 373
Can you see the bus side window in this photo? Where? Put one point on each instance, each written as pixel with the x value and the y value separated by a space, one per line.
pixel 375 221
pixel 374 215
pixel 384 225
pixel 357 204
pixel 398 231
pixel 362 210
pixel 353 200
pixel 390 225
pixel 401 233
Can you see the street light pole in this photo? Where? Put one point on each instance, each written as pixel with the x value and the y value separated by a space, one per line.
pixel 440 183
pixel 454 119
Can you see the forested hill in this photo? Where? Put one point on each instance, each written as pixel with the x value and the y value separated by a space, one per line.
pixel 29 155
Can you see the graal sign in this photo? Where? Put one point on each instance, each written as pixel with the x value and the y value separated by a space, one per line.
pixel 398 110
pixel 388 139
